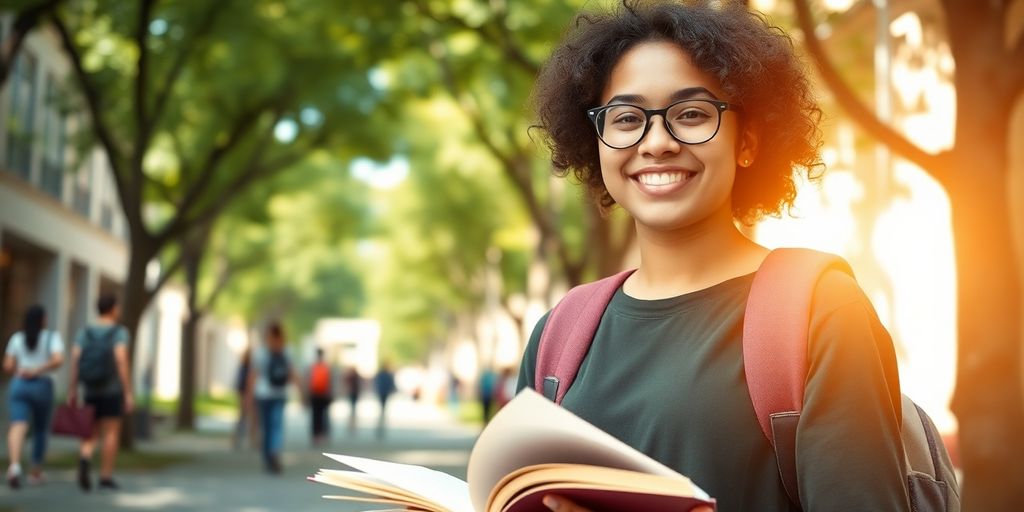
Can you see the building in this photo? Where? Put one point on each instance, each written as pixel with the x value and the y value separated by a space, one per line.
pixel 63 236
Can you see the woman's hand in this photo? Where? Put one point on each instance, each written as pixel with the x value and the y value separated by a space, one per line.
pixel 560 504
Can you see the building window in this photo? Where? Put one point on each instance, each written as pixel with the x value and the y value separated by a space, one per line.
pixel 22 114
pixel 107 217
pixel 82 195
pixel 54 133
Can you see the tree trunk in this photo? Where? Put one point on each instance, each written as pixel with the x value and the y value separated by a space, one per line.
pixel 988 401
pixel 135 298
pixel 186 416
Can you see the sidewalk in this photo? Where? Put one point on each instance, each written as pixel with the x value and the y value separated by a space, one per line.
pixel 224 480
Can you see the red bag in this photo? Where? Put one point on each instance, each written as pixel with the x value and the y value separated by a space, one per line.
pixel 73 420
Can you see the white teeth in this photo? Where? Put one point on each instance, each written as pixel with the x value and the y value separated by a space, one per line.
pixel 660 178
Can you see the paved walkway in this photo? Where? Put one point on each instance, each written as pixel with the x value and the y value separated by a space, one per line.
pixel 220 479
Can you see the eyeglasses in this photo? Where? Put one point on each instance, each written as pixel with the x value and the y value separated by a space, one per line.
pixel 689 121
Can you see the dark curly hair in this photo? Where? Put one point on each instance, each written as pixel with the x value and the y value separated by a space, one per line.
pixel 753 60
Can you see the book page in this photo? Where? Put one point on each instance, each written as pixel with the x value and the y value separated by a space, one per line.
pixel 445 490
pixel 533 430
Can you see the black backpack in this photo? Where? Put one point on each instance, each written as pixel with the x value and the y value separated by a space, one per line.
pixel 96 365
pixel 277 369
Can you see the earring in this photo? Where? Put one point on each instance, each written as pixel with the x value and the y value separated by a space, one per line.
pixel 746 162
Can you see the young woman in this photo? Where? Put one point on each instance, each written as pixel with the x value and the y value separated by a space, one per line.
pixel 693 117
pixel 31 355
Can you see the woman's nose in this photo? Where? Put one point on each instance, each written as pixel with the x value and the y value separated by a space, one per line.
pixel 658 139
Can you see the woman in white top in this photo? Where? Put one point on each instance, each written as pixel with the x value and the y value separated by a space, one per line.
pixel 31 355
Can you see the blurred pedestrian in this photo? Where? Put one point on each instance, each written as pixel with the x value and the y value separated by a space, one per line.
pixel 31 355
pixel 353 387
pixel 488 387
pixel 269 374
pixel 384 385
pixel 245 426
pixel 100 364
pixel 321 394
pixel 506 388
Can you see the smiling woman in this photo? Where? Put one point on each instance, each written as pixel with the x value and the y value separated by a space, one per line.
pixel 694 117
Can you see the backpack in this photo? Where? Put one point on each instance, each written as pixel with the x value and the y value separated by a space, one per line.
pixel 278 370
pixel 775 362
pixel 320 380
pixel 96 365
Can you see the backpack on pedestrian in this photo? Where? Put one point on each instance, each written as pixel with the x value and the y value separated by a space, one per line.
pixel 775 362
pixel 278 369
pixel 320 379
pixel 96 364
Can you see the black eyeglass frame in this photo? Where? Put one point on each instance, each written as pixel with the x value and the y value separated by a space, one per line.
pixel 595 113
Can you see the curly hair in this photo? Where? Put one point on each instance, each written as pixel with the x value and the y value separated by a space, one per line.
pixel 754 61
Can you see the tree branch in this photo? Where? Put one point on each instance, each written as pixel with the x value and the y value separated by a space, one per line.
pixel 510 49
pixel 131 200
pixel 854 107
pixel 166 274
pixel 141 70
pixel 160 101
pixel 24 22
pixel 241 127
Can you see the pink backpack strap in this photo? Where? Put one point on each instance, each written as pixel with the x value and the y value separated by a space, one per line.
pixel 568 332
pixel 775 334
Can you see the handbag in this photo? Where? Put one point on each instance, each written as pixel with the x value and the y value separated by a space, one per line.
pixel 74 420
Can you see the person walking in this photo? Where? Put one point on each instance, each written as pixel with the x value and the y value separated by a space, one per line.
pixel 245 426
pixel 353 387
pixel 31 355
pixel 269 376
pixel 384 385
pixel 487 389
pixel 99 363
pixel 321 394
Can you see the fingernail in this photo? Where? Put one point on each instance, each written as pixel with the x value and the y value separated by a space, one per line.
pixel 551 503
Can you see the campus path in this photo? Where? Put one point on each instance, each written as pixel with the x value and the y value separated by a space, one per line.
pixel 220 479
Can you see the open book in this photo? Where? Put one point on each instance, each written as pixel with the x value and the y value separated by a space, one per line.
pixel 531 448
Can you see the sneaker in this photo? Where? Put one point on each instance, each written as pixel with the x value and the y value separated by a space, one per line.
pixel 274 465
pixel 84 481
pixel 14 477
pixel 109 484
pixel 36 477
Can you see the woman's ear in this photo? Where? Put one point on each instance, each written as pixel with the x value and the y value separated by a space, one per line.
pixel 747 151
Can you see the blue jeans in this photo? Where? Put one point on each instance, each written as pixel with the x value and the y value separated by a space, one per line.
pixel 31 401
pixel 272 425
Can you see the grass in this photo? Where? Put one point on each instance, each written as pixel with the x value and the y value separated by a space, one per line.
pixel 135 460
pixel 205 405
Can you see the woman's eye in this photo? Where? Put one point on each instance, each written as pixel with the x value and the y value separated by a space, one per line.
pixel 628 120
pixel 692 115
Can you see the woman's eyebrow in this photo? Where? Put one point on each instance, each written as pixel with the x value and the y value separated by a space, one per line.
pixel 690 92
pixel 681 94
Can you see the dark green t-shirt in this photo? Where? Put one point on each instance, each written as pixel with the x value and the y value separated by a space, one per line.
pixel 666 377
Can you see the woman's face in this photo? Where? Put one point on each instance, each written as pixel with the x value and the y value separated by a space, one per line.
pixel 664 184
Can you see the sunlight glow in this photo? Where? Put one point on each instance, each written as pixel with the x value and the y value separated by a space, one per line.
pixel 908 269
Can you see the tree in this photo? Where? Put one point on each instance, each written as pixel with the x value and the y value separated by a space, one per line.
pixel 976 174
pixel 192 108
pixel 482 58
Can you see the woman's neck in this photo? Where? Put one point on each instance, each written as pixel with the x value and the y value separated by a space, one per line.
pixel 676 262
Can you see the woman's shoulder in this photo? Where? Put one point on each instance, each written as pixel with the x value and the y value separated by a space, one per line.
pixel 15 342
pixel 834 290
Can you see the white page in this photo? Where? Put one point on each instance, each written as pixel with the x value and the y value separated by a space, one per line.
pixel 531 429
pixel 441 488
